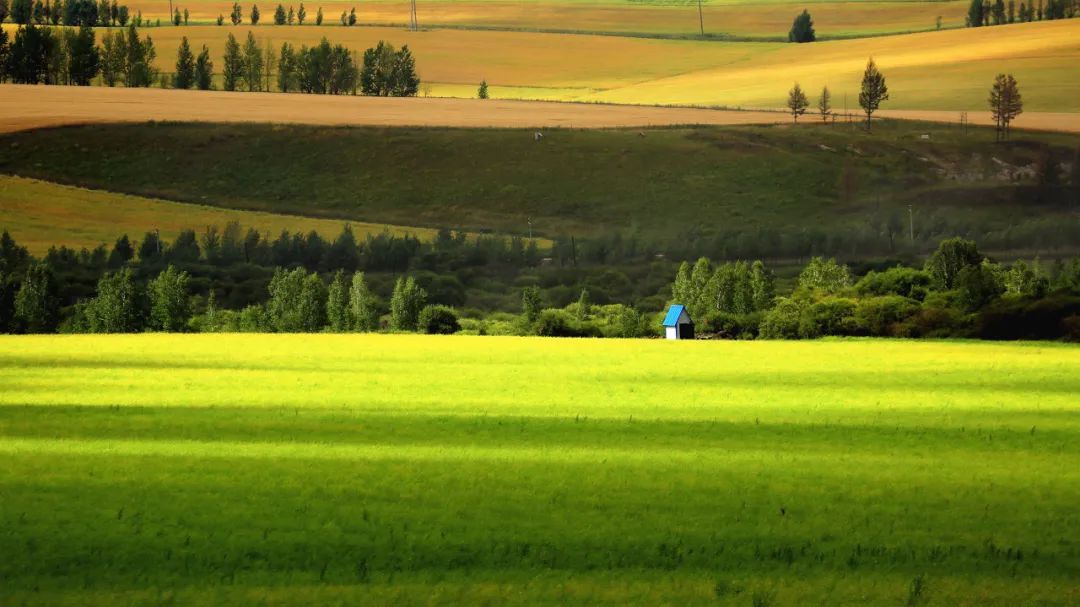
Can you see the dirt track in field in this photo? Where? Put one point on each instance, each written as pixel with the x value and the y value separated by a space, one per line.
pixel 28 107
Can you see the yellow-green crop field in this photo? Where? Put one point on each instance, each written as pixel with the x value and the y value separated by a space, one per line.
pixel 403 469
pixel 679 18
pixel 39 215
pixel 946 70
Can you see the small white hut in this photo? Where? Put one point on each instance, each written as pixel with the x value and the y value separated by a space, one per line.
pixel 678 324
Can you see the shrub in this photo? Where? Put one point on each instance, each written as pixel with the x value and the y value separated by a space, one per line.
pixel 830 316
pixel 932 321
pixel 732 326
pixel 906 282
pixel 881 316
pixel 782 322
pixel 1027 318
pixel 438 320
pixel 558 323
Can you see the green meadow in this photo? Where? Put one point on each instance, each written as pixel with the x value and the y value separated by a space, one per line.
pixel 400 469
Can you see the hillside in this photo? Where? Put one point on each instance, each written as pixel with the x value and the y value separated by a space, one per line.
pixel 713 186
pixel 40 215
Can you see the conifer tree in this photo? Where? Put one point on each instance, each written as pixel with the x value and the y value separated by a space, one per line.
pixel 1005 103
pixel 185 66
pixel 204 70
pixel 825 104
pixel 802 29
pixel 797 102
pixel 85 58
pixel 254 14
pixel 279 15
pixel 873 91
pixel 233 66
pixel 253 64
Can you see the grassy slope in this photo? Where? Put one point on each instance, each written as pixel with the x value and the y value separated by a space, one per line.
pixel 948 70
pixel 40 214
pixel 659 182
pixel 318 469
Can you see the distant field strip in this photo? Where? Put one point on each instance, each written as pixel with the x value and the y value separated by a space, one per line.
pixel 419 470
pixel 750 19
pixel 40 214
pixel 27 107
pixel 948 70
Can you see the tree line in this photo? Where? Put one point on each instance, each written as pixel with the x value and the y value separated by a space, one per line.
pixel 72 13
pixel 40 55
pixel 983 13
pixel 336 286
pixel 958 292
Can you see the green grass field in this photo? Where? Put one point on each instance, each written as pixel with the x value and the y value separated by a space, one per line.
pixel 392 469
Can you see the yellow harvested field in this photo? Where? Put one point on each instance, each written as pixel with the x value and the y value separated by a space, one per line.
pixel 25 107
pixel 40 214
pixel 947 70
pixel 721 19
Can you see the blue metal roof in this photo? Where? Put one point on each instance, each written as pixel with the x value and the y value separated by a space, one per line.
pixel 673 314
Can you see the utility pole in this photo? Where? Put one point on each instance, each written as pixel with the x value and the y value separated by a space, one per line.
pixel 911 224
pixel 701 19
pixel 412 16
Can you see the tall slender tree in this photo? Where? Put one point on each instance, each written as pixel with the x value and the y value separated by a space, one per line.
pixel 204 70
pixel 232 70
pixel 797 102
pixel 873 91
pixel 825 104
pixel 1005 103
pixel 185 66
pixel 37 307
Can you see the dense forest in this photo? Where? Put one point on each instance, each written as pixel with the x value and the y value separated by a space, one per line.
pixel 241 281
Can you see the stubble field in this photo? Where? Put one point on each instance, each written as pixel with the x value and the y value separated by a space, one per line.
pixel 947 70
pixel 396 469
pixel 744 20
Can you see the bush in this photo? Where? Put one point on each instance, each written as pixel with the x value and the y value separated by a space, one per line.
pixel 438 320
pixel 931 321
pixel 830 316
pixel 726 325
pixel 905 282
pixel 782 322
pixel 882 316
pixel 1027 318
pixel 558 323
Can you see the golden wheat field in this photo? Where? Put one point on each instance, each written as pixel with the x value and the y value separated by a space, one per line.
pixel 720 19
pixel 27 107
pixel 39 215
pixel 947 70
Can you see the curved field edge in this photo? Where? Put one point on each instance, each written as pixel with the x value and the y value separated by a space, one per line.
pixel 291 469
pixel 40 214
